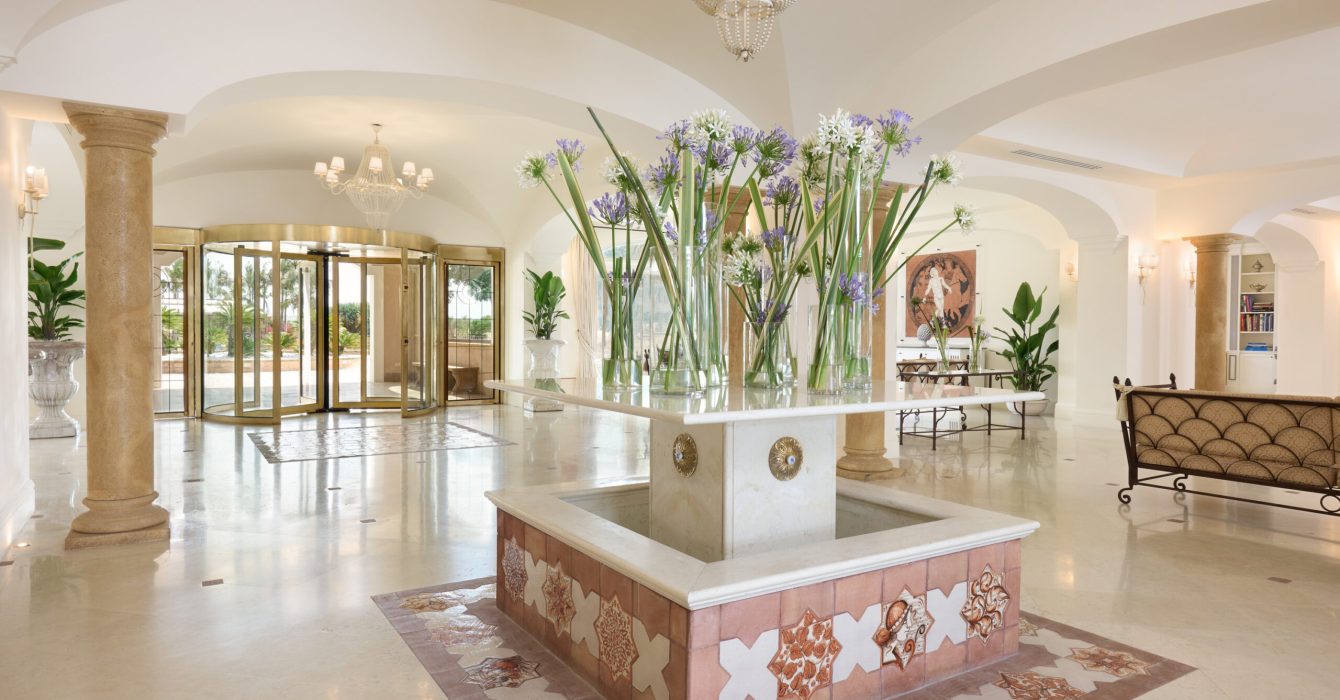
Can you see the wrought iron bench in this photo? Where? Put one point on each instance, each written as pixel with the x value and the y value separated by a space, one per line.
pixel 1289 442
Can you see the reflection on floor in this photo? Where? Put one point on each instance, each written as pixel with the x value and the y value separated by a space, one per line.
pixel 1244 593
pixel 283 444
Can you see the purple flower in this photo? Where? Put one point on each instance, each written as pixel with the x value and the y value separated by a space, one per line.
pixel 714 158
pixel 679 134
pixel 773 311
pixel 573 149
pixel 775 150
pixel 663 173
pixel 774 238
pixel 819 203
pixel 670 233
pixel 895 132
pixel 610 209
pixel 854 288
pixel 781 192
pixel 860 120
pixel 742 139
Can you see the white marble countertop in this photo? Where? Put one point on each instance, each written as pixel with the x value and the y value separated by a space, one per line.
pixel 733 404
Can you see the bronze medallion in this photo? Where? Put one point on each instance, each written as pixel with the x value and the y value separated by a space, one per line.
pixel 785 458
pixel 685 454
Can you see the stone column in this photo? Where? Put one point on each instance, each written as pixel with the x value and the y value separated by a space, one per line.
pixel 118 276
pixel 863 451
pixel 1212 310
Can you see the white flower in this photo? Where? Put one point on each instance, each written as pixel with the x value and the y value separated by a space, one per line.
pixel 739 269
pixel 946 169
pixel 836 132
pixel 711 124
pixel 966 216
pixel 613 172
pixel 533 170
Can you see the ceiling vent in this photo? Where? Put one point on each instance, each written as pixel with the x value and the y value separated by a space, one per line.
pixel 1057 159
pixel 1301 210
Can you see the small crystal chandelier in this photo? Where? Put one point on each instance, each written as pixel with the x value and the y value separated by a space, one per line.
pixel 375 189
pixel 744 25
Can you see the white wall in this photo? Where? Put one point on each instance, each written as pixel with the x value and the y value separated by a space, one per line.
pixel 16 485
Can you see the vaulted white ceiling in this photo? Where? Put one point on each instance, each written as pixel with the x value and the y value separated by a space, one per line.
pixel 1157 91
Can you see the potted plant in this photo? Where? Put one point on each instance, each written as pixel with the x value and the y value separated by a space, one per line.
pixel 1027 349
pixel 52 352
pixel 548 291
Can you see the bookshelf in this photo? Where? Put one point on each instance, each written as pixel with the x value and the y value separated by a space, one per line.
pixel 1252 346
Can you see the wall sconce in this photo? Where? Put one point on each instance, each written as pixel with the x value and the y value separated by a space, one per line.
pixel 1072 271
pixel 1191 274
pixel 35 189
pixel 1145 266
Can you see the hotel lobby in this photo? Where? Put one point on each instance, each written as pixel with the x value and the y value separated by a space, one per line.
pixel 771 349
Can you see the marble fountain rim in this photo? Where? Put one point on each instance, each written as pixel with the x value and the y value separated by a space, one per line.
pixel 695 584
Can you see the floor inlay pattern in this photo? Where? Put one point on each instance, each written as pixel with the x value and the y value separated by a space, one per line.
pixel 335 443
pixel 472 650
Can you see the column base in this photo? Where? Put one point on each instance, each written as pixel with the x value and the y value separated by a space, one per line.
pixel 84 540
pixel 864 467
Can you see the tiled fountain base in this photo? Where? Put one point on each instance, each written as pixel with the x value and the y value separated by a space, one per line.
pixel 473 651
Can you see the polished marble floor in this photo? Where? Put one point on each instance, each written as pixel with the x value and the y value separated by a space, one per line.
pixel 298 548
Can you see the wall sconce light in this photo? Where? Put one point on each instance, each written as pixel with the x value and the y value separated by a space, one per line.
pixel 1145 266
pixel 1191 274
pixel 1072 271
pixel 35 189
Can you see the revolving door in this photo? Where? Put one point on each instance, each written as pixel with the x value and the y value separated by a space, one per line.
pixel 292 328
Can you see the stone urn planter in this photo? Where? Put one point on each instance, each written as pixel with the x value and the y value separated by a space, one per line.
pixel 543 370
pixel 51 384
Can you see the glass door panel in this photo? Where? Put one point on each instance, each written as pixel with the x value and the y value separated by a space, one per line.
pixel 472 357
pixel 383 332
pixel 218 332
pixel 419 346
pixel 170 330
pixel 299 310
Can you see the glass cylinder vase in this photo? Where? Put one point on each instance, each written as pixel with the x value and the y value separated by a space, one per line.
pixel 826 369
pixel 769 358
pixel 619 367
pixel 859 319
pixel 692 354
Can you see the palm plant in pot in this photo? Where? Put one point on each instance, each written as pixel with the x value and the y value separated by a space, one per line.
pixel 1026 346
pixel 51 350
pixel 548 292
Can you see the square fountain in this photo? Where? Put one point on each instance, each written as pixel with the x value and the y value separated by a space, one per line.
pixel 743 566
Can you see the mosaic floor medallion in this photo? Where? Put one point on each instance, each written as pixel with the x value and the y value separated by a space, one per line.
pixel 336 443
pixel 473 652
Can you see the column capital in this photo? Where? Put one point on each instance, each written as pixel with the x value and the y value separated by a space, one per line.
pixel 116 127
pixel 1213 243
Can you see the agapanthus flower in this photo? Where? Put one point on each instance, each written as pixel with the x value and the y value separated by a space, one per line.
pixel 707 223
pixel 836 133
pixel 711 124
pixel 663 173
pixel 614 173
pixel 533 170
pixel 610 209
pixel 743 139
pixel 714 159
pixel 860 120
pixel 966 217
pixel 946 169
pixel 774 151
pixel 812 157
pixel 854 287
pixel 773 311
pixel 895 132
pixel 775 238
pixel 679 134
pixel 573 149
pixel 739 269
pixel 782 191
pixel 744 243
pixel 670 233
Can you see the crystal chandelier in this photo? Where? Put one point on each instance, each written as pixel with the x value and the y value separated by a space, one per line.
pixel 744 25
pixel 375 189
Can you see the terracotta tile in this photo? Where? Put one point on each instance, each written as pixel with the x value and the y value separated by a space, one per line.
pixel 653 610
pixel 533 621
pixel 746 619
pixel 615 585
pixel 679 625
pixel 587 572
pixel 704 628
pixel 535 542
pixel 900 680
pixel 509 526
pixel 853 594
pixel 1012 586
pixel 948 660
pixel 824 693
pixel 586 663
pixel 706 677
pixel 676 672
pixel 947 571
pixel 910 576
pixel 860 685
pixel 1014 553
pixel 612 688
pixel 981 653
pixel 817 597
pixel 556 552
pixel 1011 640
pixel 643 694
pixel 980 558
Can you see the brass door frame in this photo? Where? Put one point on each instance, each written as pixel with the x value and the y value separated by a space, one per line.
pixel 191 331
pixel 478 256
pixel 426 263
pixel 363 400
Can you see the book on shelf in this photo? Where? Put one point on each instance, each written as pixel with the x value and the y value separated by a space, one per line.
pixel 1256 347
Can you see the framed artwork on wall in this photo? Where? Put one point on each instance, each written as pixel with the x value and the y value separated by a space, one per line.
pixel 940 284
